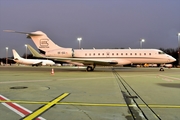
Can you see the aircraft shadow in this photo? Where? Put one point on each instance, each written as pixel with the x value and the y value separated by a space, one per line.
pixel 172 85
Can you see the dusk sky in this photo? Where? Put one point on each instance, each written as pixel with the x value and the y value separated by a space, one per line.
pixel 100 23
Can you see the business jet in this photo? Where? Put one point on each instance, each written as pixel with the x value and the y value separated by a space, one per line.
pixel 94 57
pixel 33 62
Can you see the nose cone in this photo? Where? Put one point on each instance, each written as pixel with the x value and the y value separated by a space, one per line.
pixel 52 63
pixel 172 59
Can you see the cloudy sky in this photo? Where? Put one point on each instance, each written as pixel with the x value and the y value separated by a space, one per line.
pixel 100 23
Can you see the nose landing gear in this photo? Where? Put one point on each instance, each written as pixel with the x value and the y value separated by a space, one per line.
pixel 161 69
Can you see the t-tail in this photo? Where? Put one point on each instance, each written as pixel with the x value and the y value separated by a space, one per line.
pixel 41 40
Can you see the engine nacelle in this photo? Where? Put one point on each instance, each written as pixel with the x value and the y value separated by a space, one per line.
pixel 62 52
pixel 43 63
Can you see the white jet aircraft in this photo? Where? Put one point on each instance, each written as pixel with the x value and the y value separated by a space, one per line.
pixel 93 57
pixel 33 62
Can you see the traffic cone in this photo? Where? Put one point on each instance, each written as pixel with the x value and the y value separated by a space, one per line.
pixel 52 71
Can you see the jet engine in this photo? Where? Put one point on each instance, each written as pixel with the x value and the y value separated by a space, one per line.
pixel 43 63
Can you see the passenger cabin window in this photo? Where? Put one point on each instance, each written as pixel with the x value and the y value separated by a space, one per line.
pixel 116 53
pixel 94 54
pixel 121 53
pixel 130 53
pixel 102 53
pixel 135 53
pixel 89 54
pixel 144 53
pixel 98 53
pixel 149 53
pixel 86 54
pixel 59 52
pixel 112 53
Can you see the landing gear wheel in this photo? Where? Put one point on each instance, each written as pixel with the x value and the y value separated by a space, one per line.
pixel 89 68
pixel 161 69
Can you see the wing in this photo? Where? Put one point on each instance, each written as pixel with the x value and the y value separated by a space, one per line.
pixel 86 61
pixel 37 63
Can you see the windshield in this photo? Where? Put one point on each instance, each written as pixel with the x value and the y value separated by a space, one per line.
pixel 161 52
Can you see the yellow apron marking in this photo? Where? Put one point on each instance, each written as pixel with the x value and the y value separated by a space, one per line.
pixel 45 107
pixel 93 104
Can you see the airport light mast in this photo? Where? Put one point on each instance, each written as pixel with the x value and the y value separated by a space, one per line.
pixel 79 39
pixel 6 55
pixel 141 41
pixel 178 48
pixel 26 50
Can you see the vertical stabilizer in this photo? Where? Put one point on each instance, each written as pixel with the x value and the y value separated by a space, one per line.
pixel 16 55
pixel 42 41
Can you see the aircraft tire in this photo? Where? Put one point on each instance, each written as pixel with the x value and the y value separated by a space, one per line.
pixel 161 69
pixel 89 68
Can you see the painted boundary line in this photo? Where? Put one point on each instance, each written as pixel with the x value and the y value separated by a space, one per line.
pixel 17 108
pixel 93 104
pixel 44 108
pixel 31 81
pixel 169 77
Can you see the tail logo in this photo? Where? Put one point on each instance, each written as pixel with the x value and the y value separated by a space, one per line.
pixel 44 43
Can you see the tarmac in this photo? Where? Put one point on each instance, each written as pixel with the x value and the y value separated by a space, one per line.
pixel 72 93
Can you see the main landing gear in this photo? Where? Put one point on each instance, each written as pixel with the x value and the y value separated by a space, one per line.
pixel 34 65
pixel 90 68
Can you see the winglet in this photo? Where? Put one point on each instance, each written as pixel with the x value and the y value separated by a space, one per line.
pixel 40 39
pixel 34 52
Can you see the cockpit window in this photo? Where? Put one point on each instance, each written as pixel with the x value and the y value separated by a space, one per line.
pixel 161 52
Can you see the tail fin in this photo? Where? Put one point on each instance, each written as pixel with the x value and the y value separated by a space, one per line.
pixel 34 52
pixel 16 55
pixel 40 39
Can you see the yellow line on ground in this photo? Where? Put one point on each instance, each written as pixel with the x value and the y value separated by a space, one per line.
pixel 45 107
pixel 120 105
pixel 93 104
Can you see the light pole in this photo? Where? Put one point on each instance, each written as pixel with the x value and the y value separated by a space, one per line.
pixel 79 39
pixel 178 48
pixel 6 55
pixel 141 41
pixel 26 50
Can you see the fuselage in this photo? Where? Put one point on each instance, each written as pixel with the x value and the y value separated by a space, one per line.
pixel 33 61
pixel 131 56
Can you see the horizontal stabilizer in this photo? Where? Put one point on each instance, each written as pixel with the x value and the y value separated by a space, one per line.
pixel 29 34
